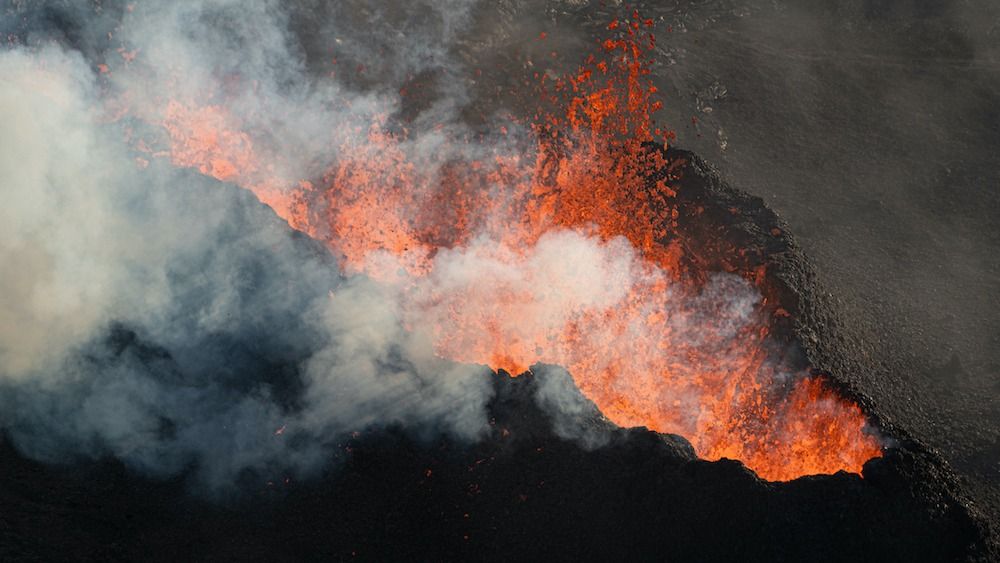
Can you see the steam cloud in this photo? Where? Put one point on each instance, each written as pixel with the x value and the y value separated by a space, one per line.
pixel 153 314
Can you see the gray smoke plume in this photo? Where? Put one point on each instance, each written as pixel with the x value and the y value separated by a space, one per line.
pixel 153 314
pixel 161 317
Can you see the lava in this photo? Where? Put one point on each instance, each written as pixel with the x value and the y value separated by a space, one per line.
pixel 586 170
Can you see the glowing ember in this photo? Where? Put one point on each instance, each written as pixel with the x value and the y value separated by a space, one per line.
pixel 629 346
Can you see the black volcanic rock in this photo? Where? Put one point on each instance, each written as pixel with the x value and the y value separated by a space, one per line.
pixel 540 485
pixel 521 494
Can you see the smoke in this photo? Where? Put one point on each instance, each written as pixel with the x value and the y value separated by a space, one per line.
pixel 573 416
pixel 519 296
pixel 52 298
pixel 150 315
pixel 155 315
pixel 159 316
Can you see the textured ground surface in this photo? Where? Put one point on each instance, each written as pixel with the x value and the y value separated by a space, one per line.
pixel 873 130
pixel 524 493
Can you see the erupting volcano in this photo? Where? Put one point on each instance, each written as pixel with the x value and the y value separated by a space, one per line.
pixel 648 335
pixel 415 281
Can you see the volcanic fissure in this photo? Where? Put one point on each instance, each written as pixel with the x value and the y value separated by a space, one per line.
pixel 558 241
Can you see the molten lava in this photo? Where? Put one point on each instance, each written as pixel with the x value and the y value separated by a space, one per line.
pixel 651 346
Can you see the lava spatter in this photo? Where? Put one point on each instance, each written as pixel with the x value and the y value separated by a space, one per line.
pixel 652 345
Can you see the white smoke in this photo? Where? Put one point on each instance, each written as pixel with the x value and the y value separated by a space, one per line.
pixel 519 295
pixel 152 314
pixel 573 416
pixel 143 307
pixel 57 278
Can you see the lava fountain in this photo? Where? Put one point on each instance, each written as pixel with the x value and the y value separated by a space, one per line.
pixel 651 338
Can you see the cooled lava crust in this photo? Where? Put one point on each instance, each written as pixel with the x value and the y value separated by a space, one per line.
pixel 524 493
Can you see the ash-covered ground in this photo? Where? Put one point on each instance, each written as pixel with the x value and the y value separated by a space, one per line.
pixel 872 128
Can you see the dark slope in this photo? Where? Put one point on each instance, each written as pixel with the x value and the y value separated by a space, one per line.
pixel 524 493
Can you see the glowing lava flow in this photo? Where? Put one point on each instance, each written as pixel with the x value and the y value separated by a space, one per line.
pixel 651 348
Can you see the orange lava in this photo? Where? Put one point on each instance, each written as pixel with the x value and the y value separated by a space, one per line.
pixel 586 171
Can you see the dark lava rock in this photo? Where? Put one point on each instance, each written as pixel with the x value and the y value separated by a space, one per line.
pixel 522 494
pixel 527 492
